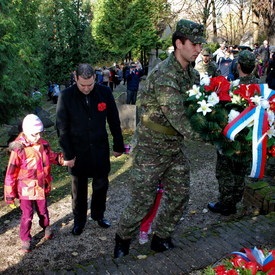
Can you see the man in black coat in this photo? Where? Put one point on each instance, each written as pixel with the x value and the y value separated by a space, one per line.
pixel 81 115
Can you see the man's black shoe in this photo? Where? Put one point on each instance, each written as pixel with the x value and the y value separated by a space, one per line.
pixel 121 247
pixel 103 223
pixel 222 209
pixel 159 244
pixel 77 230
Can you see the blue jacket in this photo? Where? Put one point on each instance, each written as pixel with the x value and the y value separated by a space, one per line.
pixel 133 79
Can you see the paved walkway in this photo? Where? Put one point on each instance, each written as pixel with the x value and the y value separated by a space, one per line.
pixel 195 250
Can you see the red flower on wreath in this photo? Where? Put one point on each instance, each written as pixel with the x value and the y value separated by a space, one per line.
pixel 238 261
pixel 232 272
pixel 271 272
pixel 252 266
pixel 101 106
pixel 221 86
pixel 220 270
pixel 248 91
pixel 272 151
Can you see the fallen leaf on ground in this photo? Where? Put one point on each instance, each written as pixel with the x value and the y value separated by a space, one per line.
pixel 103 238
pixel 140 257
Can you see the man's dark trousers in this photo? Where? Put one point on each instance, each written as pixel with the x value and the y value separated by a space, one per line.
pixel 80 195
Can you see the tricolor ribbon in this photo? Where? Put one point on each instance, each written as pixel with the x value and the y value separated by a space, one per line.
pixel 257 256
pixel 259 115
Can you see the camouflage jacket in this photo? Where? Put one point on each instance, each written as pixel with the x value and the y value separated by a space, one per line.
pixel 250 79
pixel 162 103
pixel 210 68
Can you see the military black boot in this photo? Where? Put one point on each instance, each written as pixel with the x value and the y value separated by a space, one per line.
pixel 121 247
pixel 221 208
pixel 159 245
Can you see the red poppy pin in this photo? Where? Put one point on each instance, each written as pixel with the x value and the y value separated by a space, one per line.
pixel 101 106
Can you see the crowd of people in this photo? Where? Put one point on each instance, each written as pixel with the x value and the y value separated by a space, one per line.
pixel 224 61
pixel 128 73
pixel 159 156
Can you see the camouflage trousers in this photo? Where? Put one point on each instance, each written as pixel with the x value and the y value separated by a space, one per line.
pixel 231 178
pixel 147 170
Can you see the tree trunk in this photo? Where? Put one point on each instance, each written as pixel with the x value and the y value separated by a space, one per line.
pixel 215 33
pixel 255 25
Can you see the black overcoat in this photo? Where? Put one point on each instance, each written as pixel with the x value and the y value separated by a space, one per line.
pixel 81 125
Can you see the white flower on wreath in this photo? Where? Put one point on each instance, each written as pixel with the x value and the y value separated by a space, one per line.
pixel 195 91
pixel 205 80
pixel 213 99
pixel 271 132
pixel 236 99
pixel 235 83
pixel 264 103
pixel 232 115
pixel 256 99
pixel 270 117
pixel 204 107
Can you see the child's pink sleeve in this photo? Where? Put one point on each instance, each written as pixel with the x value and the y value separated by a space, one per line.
pixel 10 187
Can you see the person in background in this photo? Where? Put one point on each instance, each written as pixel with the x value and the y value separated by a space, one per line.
pixel 56 92
pixel 118 75
pixel 224 64
pixel 112 78
pixel 106 76
pixel 232 179
pixel 81 116
pixel 99 75
pixel 256 49
pixel 28 177
pixel 220 52
pixel 270 79
pixel 133 78
pixel 206 66
pixel 264 54
pixel 125 68
pixel 159 152
pixel 50 91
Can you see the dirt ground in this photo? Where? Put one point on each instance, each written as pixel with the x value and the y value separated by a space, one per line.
pixel 66 251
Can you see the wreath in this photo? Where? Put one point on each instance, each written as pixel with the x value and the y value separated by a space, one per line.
pixel 237 119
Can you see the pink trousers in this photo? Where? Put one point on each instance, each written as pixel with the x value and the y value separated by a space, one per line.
pixel 27 208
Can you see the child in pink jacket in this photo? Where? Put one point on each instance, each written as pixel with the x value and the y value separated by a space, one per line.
pixel 28 177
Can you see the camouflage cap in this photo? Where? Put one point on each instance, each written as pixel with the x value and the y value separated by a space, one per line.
pixel 206 51
pixel 193 31
pixel 247 57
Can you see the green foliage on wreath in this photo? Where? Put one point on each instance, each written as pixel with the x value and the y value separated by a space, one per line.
pixel 210 128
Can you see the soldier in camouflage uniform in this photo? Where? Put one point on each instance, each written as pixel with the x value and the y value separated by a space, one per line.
pixel 231 174
pixel 206 66
pixel 159 152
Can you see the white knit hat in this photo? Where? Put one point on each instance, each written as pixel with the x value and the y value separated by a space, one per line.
pixel 32 124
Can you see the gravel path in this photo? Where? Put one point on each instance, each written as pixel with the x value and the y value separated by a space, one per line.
pixel 66 251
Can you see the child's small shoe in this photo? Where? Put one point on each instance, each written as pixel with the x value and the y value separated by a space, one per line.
pixel 26 246
pixel 143 237
pixel 48 233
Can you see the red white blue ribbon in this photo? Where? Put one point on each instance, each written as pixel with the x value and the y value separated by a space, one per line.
pixel 259 115
pixel 255 255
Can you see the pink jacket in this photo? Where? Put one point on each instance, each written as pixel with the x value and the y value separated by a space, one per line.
pixel 28 174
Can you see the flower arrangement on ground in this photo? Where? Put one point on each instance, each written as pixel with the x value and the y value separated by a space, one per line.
pixel 246 262
pixel 238 119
